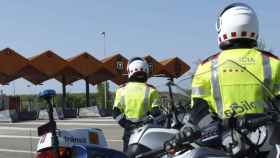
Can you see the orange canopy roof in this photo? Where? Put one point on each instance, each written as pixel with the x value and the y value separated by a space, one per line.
pixel 9 57
pixel 33 75
pixel 118 64
pixel 175 67
pixel 68 75
pixel 154 66
pixel 48 63
pixel 103 74
pixel 4 79
pixel 85 64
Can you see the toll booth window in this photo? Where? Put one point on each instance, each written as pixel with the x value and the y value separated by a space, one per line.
pixel 120 66
pixel 151 67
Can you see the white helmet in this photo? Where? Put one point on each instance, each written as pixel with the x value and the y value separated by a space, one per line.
pixel 237 21
pixel 136 65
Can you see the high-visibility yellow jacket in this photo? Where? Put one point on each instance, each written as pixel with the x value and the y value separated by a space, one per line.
pixel 225 82
pixel 136 99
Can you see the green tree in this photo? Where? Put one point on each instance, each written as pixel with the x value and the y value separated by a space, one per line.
pixel 100 97
pixel 71 100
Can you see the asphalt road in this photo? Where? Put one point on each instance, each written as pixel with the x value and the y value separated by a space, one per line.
pixel 19 140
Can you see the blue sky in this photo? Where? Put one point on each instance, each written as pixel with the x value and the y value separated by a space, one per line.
pixel 162 28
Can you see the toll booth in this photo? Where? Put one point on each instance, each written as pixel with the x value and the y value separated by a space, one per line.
pixel 9 108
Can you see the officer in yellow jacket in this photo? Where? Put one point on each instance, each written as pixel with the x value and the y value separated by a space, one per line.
pixel 229 82
pixel 135 99
pixel 221 81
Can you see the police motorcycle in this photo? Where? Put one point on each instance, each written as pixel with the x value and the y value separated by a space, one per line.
pixel 151 133
pixel 71 143
pixel 237 136
pixel 231 146
pixel 147 135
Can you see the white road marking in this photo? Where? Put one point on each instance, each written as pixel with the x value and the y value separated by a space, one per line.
pixel 19 137
pixel 64 124
pixel 82 120
pixel 21 128
pixel 17 128
pixel 17 151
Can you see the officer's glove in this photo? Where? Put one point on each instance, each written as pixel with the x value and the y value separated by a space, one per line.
pixel 148 119
pixel 156 111
pixel 121 118
pixel 127 124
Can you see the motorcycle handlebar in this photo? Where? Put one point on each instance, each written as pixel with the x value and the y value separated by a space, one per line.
pixel 250 121
pixel 189 136
pixel 178 142
pixel 253 121
pixel 150 119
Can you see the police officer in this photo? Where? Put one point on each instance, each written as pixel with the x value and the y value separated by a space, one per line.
pixel 223 83
pixel 135 99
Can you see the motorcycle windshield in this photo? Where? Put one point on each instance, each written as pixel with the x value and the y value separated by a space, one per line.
pixel 234 86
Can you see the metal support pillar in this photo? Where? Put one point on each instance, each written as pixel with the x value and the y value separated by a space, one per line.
pixel 63 92
pixel 87 93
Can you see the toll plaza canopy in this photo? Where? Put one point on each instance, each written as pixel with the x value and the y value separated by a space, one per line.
pixel 49 65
